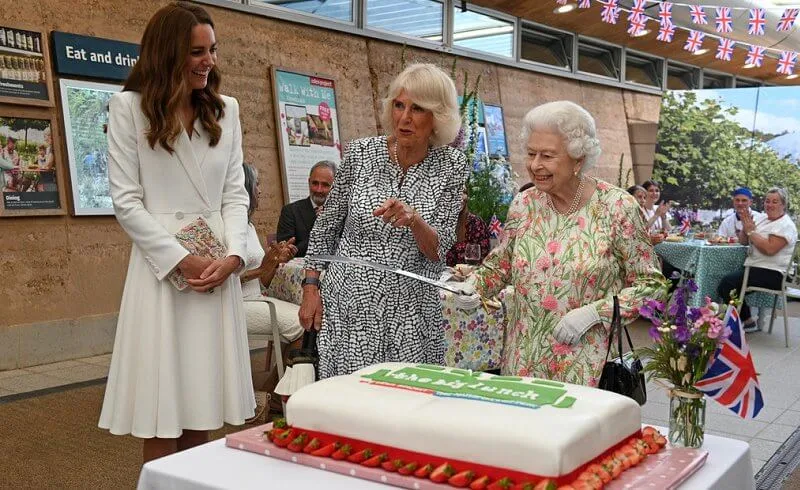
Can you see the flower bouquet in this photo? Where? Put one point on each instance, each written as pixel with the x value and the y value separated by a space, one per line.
pixel 686 339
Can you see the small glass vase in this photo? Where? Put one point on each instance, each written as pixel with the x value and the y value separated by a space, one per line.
pixel 687 417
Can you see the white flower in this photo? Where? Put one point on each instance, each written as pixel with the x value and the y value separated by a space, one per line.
pixel 686 378
pixel 682 361
pixel 672 363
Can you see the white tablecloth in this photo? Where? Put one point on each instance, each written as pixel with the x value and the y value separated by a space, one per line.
pixel 216 466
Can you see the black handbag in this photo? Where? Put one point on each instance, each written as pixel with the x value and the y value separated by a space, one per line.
pixel 623 375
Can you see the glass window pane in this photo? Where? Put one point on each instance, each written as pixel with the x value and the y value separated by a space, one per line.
pixel 334 9
pixel 679 78
pixel 483 33
pixel 643 71
pixel 548 47
pixel 418 18
pixel 599 60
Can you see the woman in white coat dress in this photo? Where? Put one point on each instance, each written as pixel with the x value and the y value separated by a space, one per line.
pixel 180 365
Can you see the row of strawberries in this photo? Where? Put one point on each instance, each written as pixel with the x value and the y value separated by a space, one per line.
pixel 594 477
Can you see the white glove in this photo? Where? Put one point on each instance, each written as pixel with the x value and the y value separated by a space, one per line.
pixel 470 299
pixel 575 323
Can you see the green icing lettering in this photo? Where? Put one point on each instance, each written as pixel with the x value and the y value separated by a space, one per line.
pixel 459 382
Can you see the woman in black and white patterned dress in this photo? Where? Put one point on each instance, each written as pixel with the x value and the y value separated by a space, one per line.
pixel 395 201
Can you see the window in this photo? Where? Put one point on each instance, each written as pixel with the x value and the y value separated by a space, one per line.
pixel 598 59
pixel 642 70
pixel 746 83
pixel 682 78
pixel 483 33
pixel 717 80
pixel 546 46
pixel 418 18
pixel 334 9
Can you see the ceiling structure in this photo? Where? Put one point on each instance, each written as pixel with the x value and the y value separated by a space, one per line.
pixel 587 22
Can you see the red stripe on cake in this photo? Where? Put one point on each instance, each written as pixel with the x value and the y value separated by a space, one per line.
pixel 495 473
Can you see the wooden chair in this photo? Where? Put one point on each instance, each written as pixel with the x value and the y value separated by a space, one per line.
pixel 790 280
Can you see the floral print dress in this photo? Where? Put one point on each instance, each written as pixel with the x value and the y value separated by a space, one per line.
pixel 558 263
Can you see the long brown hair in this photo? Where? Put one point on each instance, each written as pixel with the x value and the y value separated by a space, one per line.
pixel 158 75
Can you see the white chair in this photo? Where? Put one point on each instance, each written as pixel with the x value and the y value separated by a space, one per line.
pixel 273 341
pixel 788 283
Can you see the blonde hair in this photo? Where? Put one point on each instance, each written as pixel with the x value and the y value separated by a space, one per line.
pixel 432 89
pixel 572 122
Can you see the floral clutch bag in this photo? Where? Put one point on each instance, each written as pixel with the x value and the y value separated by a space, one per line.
pixel 199 239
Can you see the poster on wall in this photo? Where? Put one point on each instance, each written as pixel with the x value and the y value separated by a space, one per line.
pixel 24 63
pixel 85 108
pixel 308 124
pixel 495 130
pixel 27 164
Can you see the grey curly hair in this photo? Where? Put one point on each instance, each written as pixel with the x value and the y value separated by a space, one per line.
pixel 572 122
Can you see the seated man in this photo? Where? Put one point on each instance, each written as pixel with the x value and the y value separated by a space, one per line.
pixel 298 218
pixel 732 224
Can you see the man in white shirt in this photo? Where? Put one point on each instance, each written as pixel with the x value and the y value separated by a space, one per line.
pixel 742 200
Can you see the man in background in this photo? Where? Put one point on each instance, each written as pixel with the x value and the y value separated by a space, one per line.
pixel 742 200
pixel 298 218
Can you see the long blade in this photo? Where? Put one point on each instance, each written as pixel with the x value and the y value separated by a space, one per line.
pixel 381 267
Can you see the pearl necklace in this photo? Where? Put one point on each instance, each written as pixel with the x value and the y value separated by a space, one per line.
pixel 575 201
pixel 394 153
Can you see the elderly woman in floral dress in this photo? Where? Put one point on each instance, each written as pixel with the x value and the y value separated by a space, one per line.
pixel 571 244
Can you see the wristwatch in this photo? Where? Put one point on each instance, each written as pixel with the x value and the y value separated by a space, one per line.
pixel 310 280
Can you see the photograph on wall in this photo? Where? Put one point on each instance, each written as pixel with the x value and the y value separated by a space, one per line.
pixel 717 140
pixel 85 108
pixel 308 124
pixel 495 130
pixel 23 67
pixel 27 164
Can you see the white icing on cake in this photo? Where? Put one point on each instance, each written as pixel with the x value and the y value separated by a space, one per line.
pixel 522 429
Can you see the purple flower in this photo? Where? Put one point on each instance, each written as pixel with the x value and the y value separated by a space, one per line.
pixel 682 334
pixel 691 285
pixel 694 314
pixel 654 333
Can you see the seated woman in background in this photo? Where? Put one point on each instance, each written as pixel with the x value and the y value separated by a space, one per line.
pixel 470 229
pixel 261 269
pixel 571 244
pixel 655 212
pixel 771 239
pixel 640 194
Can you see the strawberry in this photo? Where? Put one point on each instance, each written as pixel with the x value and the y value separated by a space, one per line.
pixel 462 479
pixel 424 471
pixel 375 461
pixel 279 423
pixel 600 471
pixel 326 451
pixel 284 438
pixel 650 431
pixel 523 486
pixel 590 479
pixel 660 440
pixel 408 469
pixel 360 456
pixel 342 452
pixel 442 473
pixel 501 484
pixel 480 484
pixel 546 484
pixel 392 465
pixel 298 443
pixel 312 446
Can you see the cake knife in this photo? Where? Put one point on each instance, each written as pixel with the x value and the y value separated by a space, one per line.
pixel 381 267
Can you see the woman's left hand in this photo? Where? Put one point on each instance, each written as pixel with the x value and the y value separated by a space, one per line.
pixel 396 212
pixel 282 252
pixel 748 224
pixel 215 274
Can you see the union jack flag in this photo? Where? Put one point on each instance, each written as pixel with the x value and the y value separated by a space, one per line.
pixel 666 32
pixel 561 2
pixel 698 14
pixel 610 12
pixel 786 62
pixel 787 19
pixel 694 41
pixel 637 10
pixel 758 20
pixel 495 227
pixel 665 13
pixel 637 25
pixel 755 56
pixel 686 226
pixel 585 4
pixel 725 49
pixel 724 20
pixel 731 379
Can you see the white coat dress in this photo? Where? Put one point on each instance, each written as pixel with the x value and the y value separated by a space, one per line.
pixel 180 358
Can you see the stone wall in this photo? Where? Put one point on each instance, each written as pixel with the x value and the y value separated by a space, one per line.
pixel 62 276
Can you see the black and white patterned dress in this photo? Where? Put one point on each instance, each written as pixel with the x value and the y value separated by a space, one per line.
pixel 372 316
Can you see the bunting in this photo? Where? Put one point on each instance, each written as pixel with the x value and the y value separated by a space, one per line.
pixel 665 13
pixel 637 10
pixel 698 15
pixel 786 62
pixel 694 42
pixel 610 12
pixel 787 19
pixel 724 20
pixel 757 23
pixel 755 56
pixel 666 32
pixel 585 4
pixel 725 49
pixel 637 25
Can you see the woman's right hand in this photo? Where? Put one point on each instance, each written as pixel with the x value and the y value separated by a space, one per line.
pixel 310 313
pixel 193 265
pixel 663 208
